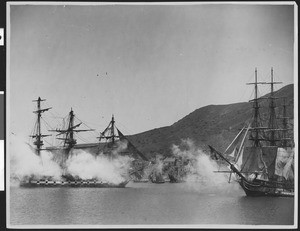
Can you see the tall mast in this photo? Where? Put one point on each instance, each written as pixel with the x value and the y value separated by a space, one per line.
pixel 69 139
pixel 284 124
pixel 109 132
pixel 113 129
pixel 255 124
pixel 38 136
pixel 256 112
pixel 272 119
pixel 72 141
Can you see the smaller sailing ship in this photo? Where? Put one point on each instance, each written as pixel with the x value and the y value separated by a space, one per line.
pixel 157 178
pixel 263 165
pixel 177 172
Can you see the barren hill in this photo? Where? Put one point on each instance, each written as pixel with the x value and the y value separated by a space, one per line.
pixel 213 124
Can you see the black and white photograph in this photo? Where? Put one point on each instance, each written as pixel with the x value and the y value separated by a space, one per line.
pixel 152 115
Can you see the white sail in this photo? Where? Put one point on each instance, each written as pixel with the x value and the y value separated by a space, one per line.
pixel 239 161
pixel 232 149
pixel 284 155
pixel 238 158
pixel 287 171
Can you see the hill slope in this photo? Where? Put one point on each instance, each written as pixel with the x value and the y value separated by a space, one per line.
pixel 213 124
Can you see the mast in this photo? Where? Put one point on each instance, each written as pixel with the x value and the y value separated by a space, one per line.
pixel 113 129
pixel 284 124
pixel 272 117
pixel 69 139
pixel 109 132
pixel 71 142
pixel 38 135
pixel 272 106
pixel 254 136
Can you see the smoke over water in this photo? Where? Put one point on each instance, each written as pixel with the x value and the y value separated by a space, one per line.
pixel 24 164
pixel 86 166
pixel 200 170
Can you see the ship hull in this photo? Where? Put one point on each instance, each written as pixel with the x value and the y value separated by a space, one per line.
pixel 174 179
pixel 141 181
pixel 158 182
pixel 258 189
pixel 74 184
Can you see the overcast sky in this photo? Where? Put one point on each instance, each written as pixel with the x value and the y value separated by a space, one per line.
pixel 149 65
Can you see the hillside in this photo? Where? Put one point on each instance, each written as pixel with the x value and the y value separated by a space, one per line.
pixel 213 124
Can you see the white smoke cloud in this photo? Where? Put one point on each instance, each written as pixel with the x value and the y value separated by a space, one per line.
pixel 24 163
pixel 201 169
pixel 87 166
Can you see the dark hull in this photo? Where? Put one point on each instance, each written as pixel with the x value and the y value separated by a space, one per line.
pixel 74 184
pixel 260 188
pixel 157 179
pixel 174 179
pixel 158 182
pixel 141 181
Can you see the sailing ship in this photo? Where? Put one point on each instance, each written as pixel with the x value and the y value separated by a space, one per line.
pixel 157 178
pixel 64 151
pixel 177 172
pixel 264 163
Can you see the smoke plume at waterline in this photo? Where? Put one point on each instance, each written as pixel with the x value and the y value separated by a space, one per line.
pixel 25 164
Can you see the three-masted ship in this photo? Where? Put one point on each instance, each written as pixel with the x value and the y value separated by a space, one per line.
pixel 62 152
pixel 263 163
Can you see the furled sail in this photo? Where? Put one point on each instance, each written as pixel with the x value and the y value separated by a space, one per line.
pixel 269 159
pixel 284 162
pixel 288 170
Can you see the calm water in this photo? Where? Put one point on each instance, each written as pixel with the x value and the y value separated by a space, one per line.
pixel 146 203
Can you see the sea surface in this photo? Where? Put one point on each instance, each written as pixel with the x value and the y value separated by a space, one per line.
pixel 147 204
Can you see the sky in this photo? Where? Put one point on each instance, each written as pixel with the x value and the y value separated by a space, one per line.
pixel 149 65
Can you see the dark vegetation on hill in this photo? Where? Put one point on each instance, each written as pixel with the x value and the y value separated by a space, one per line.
pixel 216 125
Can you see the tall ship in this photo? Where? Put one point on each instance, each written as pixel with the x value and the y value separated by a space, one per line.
pixel 109 142
pixel 261 156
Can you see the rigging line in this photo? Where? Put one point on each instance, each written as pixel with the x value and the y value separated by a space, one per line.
pixel 82 139
pixel 266 76
pixel 252 94
pixel 250 79
pixel 47 142
pixel 97 124
pixel 126 129
pixel 34 128
pixel 83 123
pixel 63 123
pixel 56 117
pixel 51 128
pixel 263 91
pixel 242 96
